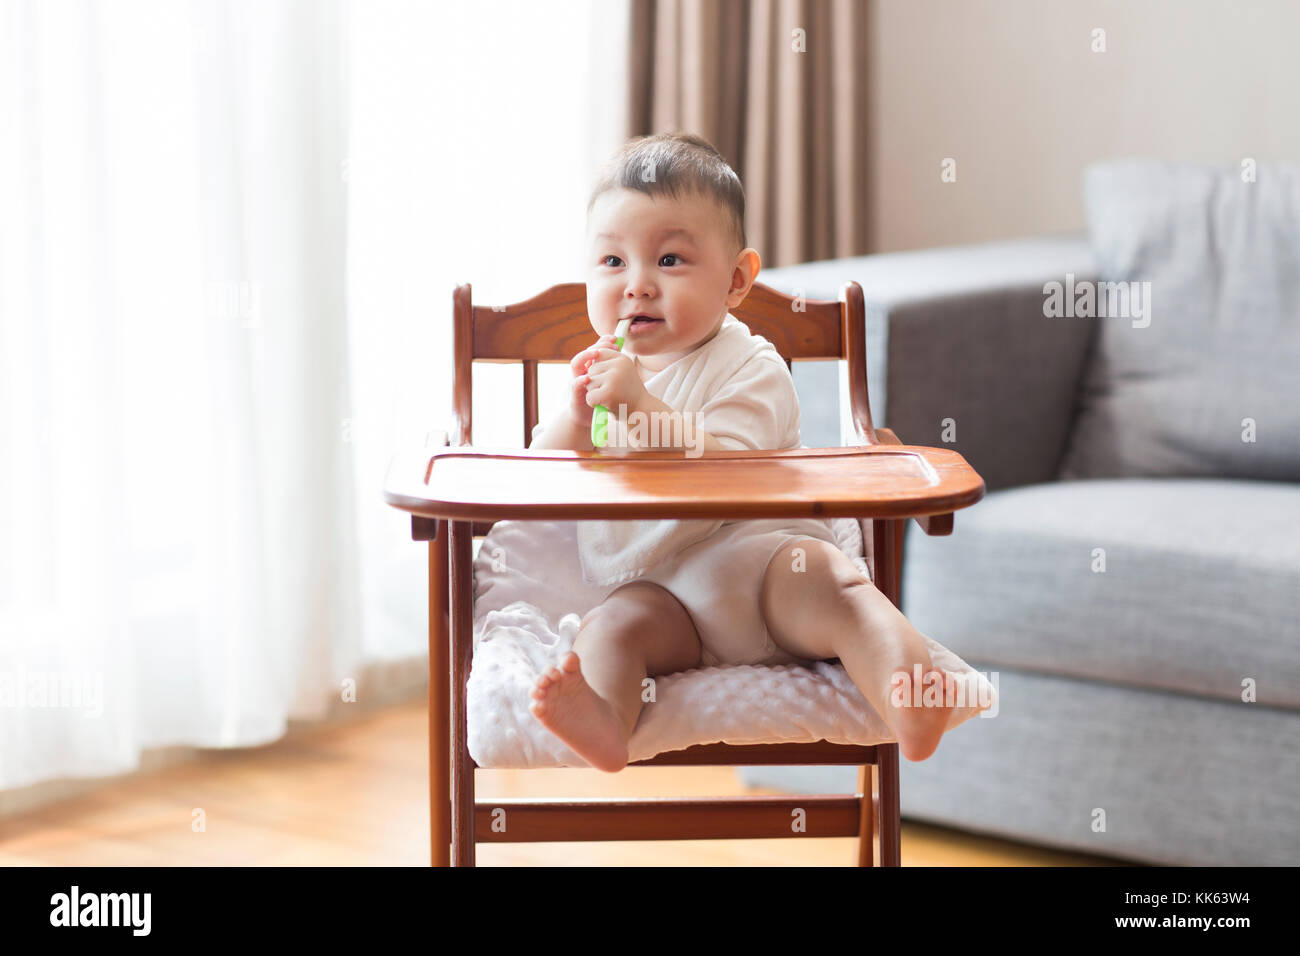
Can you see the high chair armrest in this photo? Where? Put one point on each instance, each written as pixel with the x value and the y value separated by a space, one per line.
pixel 873 481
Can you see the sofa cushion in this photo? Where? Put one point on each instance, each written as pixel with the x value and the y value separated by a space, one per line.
pixel 1204 378
pixel 1189 585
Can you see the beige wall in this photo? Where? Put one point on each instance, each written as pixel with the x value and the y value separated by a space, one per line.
pixel 1013 92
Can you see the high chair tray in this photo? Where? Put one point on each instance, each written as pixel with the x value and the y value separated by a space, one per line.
pixel 865 481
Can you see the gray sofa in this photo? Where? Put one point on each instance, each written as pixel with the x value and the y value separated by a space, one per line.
pixel 1131 581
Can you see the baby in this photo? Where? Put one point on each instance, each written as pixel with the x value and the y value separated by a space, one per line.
pixel 667 246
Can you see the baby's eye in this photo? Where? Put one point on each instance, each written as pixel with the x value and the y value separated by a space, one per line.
pixel 606 261
pixel 666 264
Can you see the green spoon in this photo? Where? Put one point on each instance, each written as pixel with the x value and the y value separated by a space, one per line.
pixel 600 415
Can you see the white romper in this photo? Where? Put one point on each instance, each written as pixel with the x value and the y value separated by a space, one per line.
pixel 738 389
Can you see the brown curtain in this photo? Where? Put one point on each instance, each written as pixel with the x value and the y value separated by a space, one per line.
pixel 792 124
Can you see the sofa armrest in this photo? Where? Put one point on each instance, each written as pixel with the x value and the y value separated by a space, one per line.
pixel 958 333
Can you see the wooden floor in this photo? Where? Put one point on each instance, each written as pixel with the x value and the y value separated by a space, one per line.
pixel 355 793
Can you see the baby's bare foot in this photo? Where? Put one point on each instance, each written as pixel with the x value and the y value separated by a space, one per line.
pixel 567 706
pixel 918 712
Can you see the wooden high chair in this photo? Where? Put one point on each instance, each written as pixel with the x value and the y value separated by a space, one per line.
pixel 456 492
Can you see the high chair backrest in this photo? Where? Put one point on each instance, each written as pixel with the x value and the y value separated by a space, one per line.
pixel 553 327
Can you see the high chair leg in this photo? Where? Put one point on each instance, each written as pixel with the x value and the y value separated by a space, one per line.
pixel 887 560
pixel 866 816
pixel 439 703
pixel 462 647
pixel 890 834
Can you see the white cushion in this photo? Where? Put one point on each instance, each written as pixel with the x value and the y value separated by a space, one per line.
pixel 523 624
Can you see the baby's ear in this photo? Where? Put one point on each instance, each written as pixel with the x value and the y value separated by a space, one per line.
pixel 743 276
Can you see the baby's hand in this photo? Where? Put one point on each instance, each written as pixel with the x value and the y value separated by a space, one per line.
pixel 579 409
pixel 613 381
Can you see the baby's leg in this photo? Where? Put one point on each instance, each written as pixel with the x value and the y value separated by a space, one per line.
pixel 825 607
pixel 593 699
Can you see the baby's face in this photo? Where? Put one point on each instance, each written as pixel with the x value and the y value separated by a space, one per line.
pixel 672 260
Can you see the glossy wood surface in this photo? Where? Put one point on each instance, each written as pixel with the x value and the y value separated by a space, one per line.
pixel 697 818
pixel 553 326
pixel 527 484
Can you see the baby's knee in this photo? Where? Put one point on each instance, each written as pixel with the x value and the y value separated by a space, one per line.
pixel 633 610
pixel 818 566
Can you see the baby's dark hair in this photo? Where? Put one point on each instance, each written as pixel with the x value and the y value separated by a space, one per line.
pixel 676 164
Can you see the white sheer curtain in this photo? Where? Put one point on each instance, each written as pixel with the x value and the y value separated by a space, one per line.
pixel 178 559
pixel 198 393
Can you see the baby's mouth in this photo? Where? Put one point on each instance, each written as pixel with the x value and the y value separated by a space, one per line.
pixel 645 322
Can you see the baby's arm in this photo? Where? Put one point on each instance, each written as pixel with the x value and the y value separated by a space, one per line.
pixel 563 432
